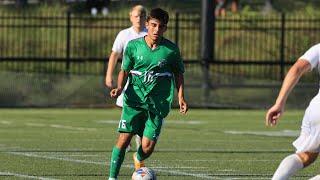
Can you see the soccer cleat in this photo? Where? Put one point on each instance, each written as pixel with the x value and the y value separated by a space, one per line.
pixel 137 164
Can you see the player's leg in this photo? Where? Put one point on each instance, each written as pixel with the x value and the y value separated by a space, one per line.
pixel 307 145
pixel 314 114
pixel 138 140
pixel 308 158
pixel 292 163
pixel 150 135
pixel 119 103
pixel 144 151
pixel 126 129
pixel 128 147
pixel 317 177
pixel 146 148
pixel 118 153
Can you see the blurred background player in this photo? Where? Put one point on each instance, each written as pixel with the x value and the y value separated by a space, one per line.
pixel 308 143
pixel 153 64
pixel 138 18
pixel 98 5
pixel 221 6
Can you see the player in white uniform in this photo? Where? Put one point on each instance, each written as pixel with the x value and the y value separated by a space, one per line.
pixel 308 143
pixel 138 19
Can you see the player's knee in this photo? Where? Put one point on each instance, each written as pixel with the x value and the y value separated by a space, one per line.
pixel 308 158
pixel 148 147
pixel 123 140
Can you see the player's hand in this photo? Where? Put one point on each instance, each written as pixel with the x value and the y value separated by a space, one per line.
pixel 273 115
pixel 114 93
pixel 109 82
pixel 183 106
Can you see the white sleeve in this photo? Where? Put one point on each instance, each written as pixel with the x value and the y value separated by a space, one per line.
pixel 118 43
pixel 312 55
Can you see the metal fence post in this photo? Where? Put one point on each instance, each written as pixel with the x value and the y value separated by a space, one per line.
pixel 68 43
pixel 177 29
pixel 282 47
pixel 207 46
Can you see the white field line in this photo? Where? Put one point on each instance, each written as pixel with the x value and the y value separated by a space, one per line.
pixel 35 124
pixel 189 122
pixel 24 176
pixel 214 160
pixel 243 178
pixel 56 158
pixel 36 140
pixel 78 155
pixel 206 150
pixel 5 122
pixel 179 151
pixel 227 170
pixel 72 127
pixel 283 133
pixel 5 147
pixel 204 176
pixel 59 126
pixel 177 167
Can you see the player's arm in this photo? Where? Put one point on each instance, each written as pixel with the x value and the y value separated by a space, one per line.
pixel 178 70
pixel 179 79
pixel 122 79
pixel 113 59
pixel 291 79
pixel 126 66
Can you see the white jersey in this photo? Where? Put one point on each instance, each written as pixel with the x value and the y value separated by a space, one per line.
pixel 119 45
pixel 309 139
pixel 124 36
pixel 313 56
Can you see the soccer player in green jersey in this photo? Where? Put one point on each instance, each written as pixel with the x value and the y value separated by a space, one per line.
pixel 154 67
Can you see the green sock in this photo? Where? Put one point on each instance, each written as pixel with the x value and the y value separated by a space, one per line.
pixel 116 161
pixel 141 155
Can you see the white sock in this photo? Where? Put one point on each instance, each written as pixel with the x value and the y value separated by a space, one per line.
pixel 317 177
pixel 288 166
pixel 112 178
pixel 138 141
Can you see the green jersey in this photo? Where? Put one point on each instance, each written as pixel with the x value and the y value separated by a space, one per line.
pixel 151 77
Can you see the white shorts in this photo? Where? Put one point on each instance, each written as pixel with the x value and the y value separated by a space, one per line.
pixel 120 98
pixel 309 139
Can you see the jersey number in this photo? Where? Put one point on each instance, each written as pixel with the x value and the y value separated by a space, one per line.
pixel 122 124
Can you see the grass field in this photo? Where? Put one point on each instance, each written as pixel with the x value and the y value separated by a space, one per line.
pixel 205 144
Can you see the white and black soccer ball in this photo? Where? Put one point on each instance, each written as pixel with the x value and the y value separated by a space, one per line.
pixel 144 173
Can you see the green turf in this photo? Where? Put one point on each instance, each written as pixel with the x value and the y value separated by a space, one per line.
pixel 76 144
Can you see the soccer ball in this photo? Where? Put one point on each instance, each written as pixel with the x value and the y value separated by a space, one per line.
pixel 144 173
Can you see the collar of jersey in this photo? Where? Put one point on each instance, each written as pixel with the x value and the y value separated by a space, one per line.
pixel 144 30
pixel 145 43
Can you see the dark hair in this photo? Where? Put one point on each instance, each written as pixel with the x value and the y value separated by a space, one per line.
pixel 159 14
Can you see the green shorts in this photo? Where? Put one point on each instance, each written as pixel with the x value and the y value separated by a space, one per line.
pixel 141 122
